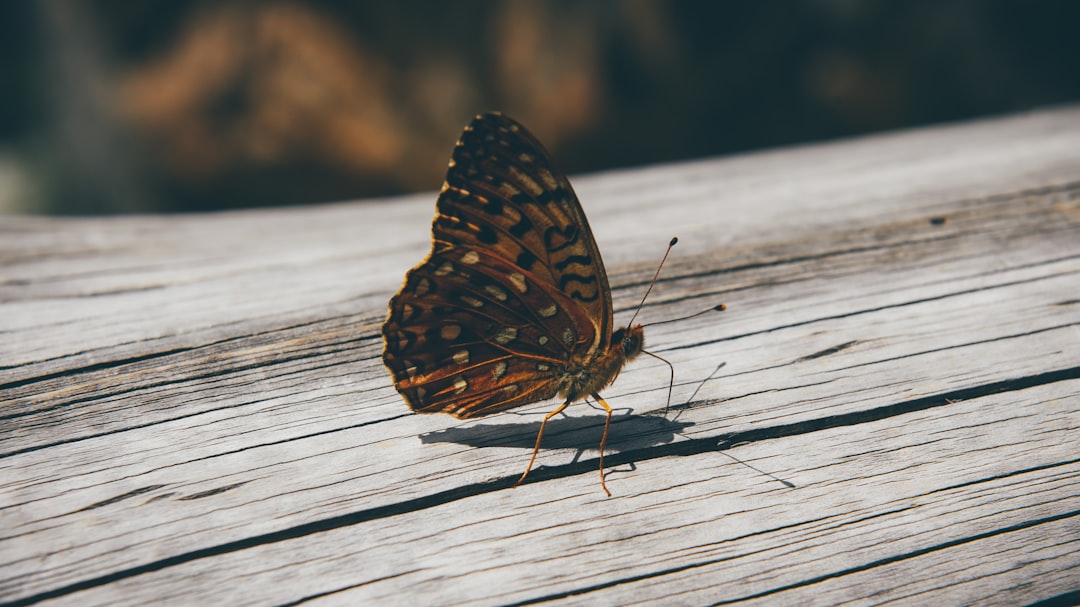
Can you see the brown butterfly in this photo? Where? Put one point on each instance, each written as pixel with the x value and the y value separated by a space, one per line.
pixel 512 305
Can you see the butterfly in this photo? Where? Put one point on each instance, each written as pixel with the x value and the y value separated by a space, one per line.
pixel 512 304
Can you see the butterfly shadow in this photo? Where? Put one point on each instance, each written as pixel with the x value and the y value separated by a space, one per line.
pixel 627 432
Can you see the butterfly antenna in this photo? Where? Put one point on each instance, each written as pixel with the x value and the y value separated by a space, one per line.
pixel 716 308
pixel 674 240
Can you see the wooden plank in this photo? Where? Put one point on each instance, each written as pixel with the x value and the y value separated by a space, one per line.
pixel 195 410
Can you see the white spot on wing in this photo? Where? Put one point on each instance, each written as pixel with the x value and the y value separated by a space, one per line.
pixel 505 335
pixel 518 280
pixel 568 336
pixel 497 292
pixel 460 385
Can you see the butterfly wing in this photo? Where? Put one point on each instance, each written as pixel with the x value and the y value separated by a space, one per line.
pixel 471 335
pixel 503 194
pixel 513 290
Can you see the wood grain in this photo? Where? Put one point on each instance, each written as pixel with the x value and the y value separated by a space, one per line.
pixel 195 412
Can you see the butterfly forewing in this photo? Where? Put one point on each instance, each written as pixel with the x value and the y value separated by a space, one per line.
pixel 513 292
pixel 503 194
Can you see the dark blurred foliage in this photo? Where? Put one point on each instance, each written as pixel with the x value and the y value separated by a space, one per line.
pixel 113 106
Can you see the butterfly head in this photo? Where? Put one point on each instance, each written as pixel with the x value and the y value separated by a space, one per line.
pixel 631 341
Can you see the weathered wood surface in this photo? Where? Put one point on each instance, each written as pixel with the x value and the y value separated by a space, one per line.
pixel 195 412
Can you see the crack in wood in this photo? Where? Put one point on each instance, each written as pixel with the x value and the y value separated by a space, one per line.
pixel 828 351
pixel 210 492
pixel 121 497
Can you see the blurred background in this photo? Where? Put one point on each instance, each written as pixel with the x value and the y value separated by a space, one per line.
pixel 111 106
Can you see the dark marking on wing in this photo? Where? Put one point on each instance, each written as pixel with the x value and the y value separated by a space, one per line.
pixel 525 260
pixel 569 234
pixel 584 260
pixel 487 235
pixel 522 227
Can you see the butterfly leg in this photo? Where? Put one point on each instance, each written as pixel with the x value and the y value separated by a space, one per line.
pixel 603 440
pixel 540 435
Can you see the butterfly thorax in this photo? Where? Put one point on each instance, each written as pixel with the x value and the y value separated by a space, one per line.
pixel 582 380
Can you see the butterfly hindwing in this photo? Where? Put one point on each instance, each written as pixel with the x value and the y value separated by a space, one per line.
pixel 470 334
